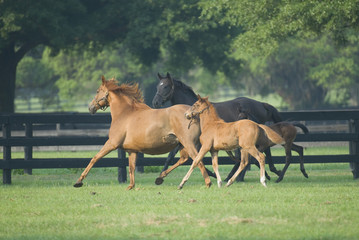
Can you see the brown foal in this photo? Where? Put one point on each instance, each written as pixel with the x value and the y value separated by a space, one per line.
pixel 218 135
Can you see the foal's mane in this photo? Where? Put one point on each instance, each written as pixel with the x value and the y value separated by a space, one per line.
pixel 184 87
pixel 130 90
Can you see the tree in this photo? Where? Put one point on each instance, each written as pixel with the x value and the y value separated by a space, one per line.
pixel 57 24
pixel 144 26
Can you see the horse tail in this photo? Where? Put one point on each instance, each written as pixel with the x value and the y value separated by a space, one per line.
pixel 301 126
pixel 274 112
pixel 272 135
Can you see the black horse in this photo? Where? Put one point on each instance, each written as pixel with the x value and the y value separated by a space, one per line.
pixel 169 89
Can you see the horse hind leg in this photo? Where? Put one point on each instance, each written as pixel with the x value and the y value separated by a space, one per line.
pixel 288 157
pixel 261 160
pixel 299 150
pixel 183 159
pixel 243 164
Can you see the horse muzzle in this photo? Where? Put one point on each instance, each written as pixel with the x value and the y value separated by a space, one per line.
pixel 189 116
pixel 92 109
pixel 157 101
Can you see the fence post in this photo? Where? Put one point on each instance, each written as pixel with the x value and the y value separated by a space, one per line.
pixel 354 147
pixel 122 172
pixel 28 149
pixel 7 154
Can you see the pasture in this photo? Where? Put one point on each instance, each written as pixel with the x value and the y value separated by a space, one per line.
pixel 46 206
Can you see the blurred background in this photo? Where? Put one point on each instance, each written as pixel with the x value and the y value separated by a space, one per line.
pixel 295 55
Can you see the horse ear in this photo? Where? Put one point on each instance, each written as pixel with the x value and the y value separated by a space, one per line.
pixel 159 76
pixel 168 75
pixel 103 79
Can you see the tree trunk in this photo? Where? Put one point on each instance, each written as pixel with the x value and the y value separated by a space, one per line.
pixel 8 64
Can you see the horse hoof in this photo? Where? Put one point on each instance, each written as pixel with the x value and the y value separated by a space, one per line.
pixel 219 184
pixel 129 188
pixel 209 185
pixel 278 180
pixel 180 187
pixel 159 181
pixel 78 184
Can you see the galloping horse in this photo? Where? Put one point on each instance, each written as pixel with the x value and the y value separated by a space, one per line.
pixel 218 135
pixel 136 127
pixel 169 89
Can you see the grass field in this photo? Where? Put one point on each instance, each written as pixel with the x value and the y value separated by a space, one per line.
pixel 46 206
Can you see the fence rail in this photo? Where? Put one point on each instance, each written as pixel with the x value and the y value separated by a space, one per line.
pixel 28 122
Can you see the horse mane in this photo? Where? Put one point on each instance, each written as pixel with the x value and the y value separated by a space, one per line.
pixel 184 87
pixel 130 90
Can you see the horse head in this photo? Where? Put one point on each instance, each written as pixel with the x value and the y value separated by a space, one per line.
pixel 198 107
pixel 165 88
pixel 100 100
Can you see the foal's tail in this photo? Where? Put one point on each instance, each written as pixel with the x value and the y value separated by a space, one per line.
pixel 272 135
pixel 301 126
pixel 274 112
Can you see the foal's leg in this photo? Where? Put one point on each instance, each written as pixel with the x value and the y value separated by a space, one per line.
pixel 269 160
pixel 299 150
pixel 107 148
pixel 243 164
pixel 215 167
pixel 261 159
pixel 132 157
pixel 183 159
pixel 196 162
pixel 288 157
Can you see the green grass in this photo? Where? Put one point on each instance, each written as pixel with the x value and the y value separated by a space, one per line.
pixel 46 206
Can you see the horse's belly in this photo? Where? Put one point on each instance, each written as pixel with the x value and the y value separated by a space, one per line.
pixel 225 144
pixel 151 143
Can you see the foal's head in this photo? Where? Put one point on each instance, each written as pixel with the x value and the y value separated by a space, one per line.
pixel 198 107
pixel 165 88
pixel 100 100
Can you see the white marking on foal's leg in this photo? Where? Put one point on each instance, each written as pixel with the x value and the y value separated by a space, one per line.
pixel 263 181
pixel 230 181
pixel 219 182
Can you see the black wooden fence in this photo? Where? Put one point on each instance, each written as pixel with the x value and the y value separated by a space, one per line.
pixel 28 122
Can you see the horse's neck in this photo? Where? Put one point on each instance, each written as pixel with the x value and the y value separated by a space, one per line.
pixel 120 105
pixel 181 96
pixel 208 117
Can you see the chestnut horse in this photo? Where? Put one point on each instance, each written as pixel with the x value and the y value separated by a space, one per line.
pixel 217 135
pixel 288 132
pixel 136 127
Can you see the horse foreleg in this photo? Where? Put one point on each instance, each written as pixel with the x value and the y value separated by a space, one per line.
pixel 107 148
pixel 196 161
pixel 215 167
pixel 183 158
pixel 299 150
pixel 132 157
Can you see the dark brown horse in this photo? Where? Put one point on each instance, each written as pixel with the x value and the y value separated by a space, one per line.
pixel 217 134
pixel 136 127
pixel 169 89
